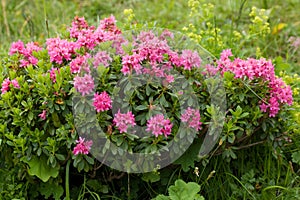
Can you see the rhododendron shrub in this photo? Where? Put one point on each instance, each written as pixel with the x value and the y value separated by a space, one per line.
pixel 143 89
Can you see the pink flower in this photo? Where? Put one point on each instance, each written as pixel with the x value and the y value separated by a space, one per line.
pixel 5 85
pixel 131 62
pixel 102 101
pixel 84 85
pixel 59 49
pixel 263 107
pixel 53 72
pixel 169 78
pixel 225 54
pixel 192 118
pixel 31 47
pixel 109 24
pixel 86 38
pixel 190 59
pixel 122 121
pixel 279 92
pixel 15 84
pixel 79 63
pixel 78 24
pixel 158 125
pixel 17 47
pixel 102 57
pixel 82 147
pixel 43 115
pixel 166 33
pixel 210 70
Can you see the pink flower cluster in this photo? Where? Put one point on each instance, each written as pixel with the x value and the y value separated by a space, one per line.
pixel 190 59
pixel 19 47
pixel 102 57
pixel 192 118
pixel 102 101
pixel 83 33
pixel 82 147
pixel 158 125
pixel 123 120
pixel 88 37
pixel 6 85
pixel 60 50
pixel 84 85
pixel 80 63
pixel 252 68
pixel 161 58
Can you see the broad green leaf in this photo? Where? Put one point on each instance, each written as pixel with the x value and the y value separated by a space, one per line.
pixel 151 177
pixel 184 191
pixel 296 157
pixel 38 167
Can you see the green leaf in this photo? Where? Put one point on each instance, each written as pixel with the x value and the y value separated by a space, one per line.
pixel 56 120
pixel 60 156
pixel 48 189
pixel 30 116
pixel 97 186
pixel 231 137
pixel 89 159
pixel 141 107
pixel 281 65
pixel 296 157
pixel 151 177
pixel 38 167
pixel 182 190
pixel 190 156
pixel 161 197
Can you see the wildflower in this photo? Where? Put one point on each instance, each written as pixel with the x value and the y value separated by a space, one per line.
pixel 18 47
pixel 31 47
pixel 78 24
pixel 53 74
pixel 59 49
pixel 169 78
pixel 192 118
pixel 102 57
pixel 264 69
pixel 82 147
pixel 158 125
pixel 166 33
pixel 109 24
pixel 190 59
pixel 84 84
pixel 102 101
pixel 5 85
pixel 15 84
pixel 79 63
pixel 43 115
pixel 122 121
pixel 131 62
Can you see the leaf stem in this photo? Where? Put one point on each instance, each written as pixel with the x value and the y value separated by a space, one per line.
pixel 67 188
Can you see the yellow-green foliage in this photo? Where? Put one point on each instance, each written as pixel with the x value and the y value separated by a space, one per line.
pixel 259 19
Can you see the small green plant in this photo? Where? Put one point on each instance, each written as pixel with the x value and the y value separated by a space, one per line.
pixel 182 190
